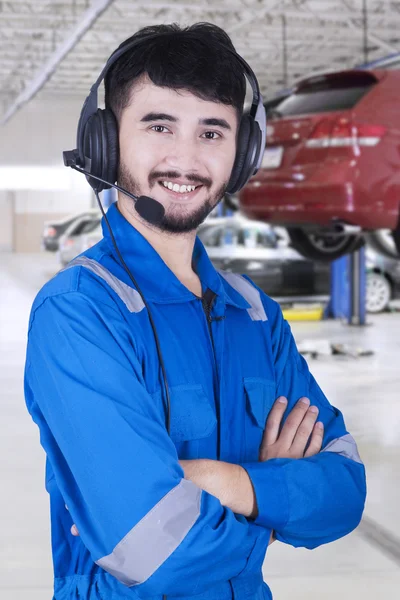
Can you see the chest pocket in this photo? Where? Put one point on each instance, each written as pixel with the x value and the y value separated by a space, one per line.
pixel 259 397
pixel 193 421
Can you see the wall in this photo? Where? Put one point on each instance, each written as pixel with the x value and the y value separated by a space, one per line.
pixel 35 137
pixel 6 221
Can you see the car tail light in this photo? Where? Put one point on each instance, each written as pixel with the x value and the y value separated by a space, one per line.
pixel 50 232
pixel 344 133
pixel 321 135
pixel 370 135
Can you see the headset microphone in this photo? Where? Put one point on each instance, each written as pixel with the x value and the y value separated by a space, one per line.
pixel 150 209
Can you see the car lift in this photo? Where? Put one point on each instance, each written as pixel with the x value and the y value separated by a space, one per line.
pixel 348 289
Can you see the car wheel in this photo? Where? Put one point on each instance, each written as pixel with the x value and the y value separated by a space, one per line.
pixel 396 239
pixel 384 242
pixel 379 292
pixel 323 247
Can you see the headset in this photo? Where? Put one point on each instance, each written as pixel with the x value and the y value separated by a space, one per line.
pixel 97 157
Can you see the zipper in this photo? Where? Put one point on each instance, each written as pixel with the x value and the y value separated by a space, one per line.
pixel 207 301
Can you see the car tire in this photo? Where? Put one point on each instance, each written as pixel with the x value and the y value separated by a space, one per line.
pixel 378 292
pixel 384 242
pixel 324 248
pixel 396 239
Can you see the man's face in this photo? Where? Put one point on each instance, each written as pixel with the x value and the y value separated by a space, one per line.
pixel 173 139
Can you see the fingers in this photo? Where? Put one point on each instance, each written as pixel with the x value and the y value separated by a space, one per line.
pixel 273 423
pixel 74 529
pixel 293 422
pixel 316 441
pixel 304 431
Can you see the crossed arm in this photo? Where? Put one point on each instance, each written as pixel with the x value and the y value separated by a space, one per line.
pixel 231 483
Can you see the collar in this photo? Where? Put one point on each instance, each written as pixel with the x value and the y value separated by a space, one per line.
pixel 156 280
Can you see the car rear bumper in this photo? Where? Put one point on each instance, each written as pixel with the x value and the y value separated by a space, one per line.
pixel 50 245
pixel 317 201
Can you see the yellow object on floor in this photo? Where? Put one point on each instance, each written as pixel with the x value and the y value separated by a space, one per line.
pixel 312 312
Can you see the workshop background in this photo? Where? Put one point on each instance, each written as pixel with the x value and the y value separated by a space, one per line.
pixel 316 228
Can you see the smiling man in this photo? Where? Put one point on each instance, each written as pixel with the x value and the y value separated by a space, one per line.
pixel 183 430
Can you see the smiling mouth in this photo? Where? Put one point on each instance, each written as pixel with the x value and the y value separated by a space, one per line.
pixel 178 190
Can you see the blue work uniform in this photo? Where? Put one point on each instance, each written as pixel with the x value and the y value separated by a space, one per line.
pixel 93 386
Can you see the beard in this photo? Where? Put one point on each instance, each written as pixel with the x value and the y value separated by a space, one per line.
pixel 178 219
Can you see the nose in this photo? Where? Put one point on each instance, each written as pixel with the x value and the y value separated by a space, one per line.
pixel 183 156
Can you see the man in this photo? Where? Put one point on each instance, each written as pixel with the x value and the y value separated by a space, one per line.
pixel 186 510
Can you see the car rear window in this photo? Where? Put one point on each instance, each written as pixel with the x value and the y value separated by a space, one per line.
pixel 85 226
pixel 327 93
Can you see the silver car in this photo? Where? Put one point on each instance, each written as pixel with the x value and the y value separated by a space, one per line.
pixel 74 241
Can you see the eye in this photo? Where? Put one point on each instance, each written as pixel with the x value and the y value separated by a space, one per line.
pixel 159 128
pixel 211 135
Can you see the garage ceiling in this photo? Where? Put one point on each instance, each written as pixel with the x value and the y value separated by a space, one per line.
pixel 60 45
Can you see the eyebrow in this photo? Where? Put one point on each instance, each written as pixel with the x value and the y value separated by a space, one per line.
pixel 152 116
pixel 217 122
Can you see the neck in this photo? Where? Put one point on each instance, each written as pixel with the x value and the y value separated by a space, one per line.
pixel 176 250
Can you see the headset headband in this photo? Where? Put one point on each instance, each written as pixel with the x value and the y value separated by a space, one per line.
pixel 90 106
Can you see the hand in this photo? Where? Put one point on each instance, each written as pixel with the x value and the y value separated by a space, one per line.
pixel 292 440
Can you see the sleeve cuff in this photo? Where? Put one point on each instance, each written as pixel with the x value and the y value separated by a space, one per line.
pixel 268 480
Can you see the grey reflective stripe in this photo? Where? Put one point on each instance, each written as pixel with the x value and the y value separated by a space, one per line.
pixel 130 297
pixel 148 545
pixel 249 293
pixel 345 446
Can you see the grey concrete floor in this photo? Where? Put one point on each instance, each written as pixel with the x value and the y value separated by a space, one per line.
pixel 364 565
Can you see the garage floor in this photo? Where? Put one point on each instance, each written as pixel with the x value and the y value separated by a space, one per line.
pixel 364 565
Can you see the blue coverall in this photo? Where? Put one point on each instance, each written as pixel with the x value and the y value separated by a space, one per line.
pixel 94 388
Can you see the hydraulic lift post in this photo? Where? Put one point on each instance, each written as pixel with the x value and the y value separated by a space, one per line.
pixel 348 289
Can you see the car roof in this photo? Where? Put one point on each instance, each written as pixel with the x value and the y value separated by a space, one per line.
pixel 89 211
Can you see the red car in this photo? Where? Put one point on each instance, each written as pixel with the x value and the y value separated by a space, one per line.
pixel 331 166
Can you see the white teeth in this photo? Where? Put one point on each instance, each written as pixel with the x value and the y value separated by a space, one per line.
pixel 182 189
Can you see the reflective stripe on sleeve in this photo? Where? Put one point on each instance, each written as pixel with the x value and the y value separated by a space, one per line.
pixel 345 446
pixel 157 535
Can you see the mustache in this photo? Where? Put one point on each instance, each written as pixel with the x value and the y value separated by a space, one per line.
pixel 171 175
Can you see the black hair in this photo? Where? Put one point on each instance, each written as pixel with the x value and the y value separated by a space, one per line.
pixel 192 58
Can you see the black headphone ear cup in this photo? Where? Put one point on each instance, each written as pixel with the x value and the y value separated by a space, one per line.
pixel 91 142
pixel 110 146
pixel 100 144
pixel 241 155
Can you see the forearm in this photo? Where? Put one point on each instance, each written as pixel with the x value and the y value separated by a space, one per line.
pixel 229 483
pixel 311 501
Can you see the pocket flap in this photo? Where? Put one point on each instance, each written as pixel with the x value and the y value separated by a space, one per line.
pixel 192 416
pixel 260 396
